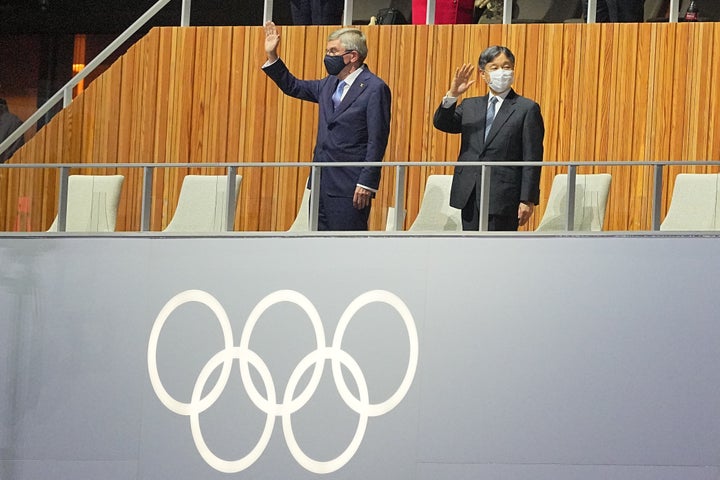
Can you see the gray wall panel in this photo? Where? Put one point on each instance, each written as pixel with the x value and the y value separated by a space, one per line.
pixel 538 357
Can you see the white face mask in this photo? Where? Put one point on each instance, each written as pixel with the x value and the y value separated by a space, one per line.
pixel 500 80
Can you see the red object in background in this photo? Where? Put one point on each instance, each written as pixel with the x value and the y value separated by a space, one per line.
pixel 23 215
pixel 446 11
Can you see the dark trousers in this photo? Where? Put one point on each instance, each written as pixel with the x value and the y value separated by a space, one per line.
pixel 618 11
pixel 338 214
pixel 317 12
pixel 496 223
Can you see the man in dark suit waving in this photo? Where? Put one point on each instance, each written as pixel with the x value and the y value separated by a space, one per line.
pixel 354 124
pixel 500 126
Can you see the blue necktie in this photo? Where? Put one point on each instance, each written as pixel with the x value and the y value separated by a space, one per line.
pixel 490 116
pixel 337 96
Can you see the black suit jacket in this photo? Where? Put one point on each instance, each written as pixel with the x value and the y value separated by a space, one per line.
pixel 516 135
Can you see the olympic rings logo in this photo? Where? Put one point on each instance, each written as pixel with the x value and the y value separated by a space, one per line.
pixel 290 402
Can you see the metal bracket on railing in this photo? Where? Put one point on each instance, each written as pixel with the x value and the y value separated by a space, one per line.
pixel 62 199
pixel 231 199
pixel 400 173
pixel 315 173
pixel 430 15
pixel 146 204
pixel 570 224
pixel 507 12
pixel 185 13
pixel 348 13
pixel 657 196
pixel 484 208
pixel 674 9
pixel 67 96
pixel 268 11
pixel 592 11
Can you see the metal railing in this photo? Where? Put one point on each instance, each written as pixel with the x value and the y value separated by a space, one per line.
pixel 399 193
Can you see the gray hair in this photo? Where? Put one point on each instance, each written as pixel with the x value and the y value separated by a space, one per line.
pixel 351 39
pixel 491 53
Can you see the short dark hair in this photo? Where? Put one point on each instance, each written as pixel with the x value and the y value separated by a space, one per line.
pixel 3 105
pixel 491 53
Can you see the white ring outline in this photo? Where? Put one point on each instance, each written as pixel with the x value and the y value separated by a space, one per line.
pixel 303 302
pixel 231 466
pixel 338 462
pixel 289 406
pixel 182 298
pixel 394 301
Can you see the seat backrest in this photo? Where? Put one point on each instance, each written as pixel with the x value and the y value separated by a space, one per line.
pixel 390 220
pixel 694 203
pixel 302 219
pixel 591 195
pixel 92 203
pixel 436 214
pixel 202 205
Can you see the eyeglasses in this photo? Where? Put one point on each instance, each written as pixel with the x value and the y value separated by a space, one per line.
pixel 334 53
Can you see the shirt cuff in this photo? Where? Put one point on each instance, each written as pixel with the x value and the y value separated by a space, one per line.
pixel 448 101
pixel 374 190
pixel 268 63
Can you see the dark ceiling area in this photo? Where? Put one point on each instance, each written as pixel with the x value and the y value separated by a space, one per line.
pixel 114 16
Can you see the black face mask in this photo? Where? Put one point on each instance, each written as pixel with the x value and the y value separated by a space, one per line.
pixel 334 63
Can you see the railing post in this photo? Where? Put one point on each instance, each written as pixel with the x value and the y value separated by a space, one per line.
pixel 315 173
pixel 185 13
pixel 430 13
pixel 62 199
pixel 348 13
pixel 267 11
pixel 507 12
pixel 484 197
pixel 146 205
pixel 67 96
pixel 592 11
pixel 674 9
pixel 657 196
pixel 400 172
pixel 231 199
pixel 571 198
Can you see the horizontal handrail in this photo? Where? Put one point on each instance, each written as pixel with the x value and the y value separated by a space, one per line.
pixel 232 170
pixel 396 163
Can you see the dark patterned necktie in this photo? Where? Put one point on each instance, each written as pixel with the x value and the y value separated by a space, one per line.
pixel 490 116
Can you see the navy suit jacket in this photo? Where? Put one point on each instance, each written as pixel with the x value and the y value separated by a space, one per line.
pixel 516 135
pixel 356 132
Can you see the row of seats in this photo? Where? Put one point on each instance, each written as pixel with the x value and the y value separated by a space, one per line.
pixel 92 204
pixel 694 205
pixel 93 201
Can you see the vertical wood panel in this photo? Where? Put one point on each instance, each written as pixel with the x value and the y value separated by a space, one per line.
pixel 607 92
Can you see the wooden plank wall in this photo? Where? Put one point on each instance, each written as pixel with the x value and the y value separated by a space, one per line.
pixel 607 92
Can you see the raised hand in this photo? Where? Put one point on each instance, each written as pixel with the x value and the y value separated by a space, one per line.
pixel 461 82
pixel 272 40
